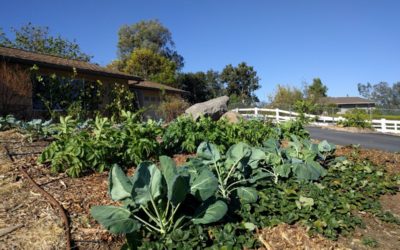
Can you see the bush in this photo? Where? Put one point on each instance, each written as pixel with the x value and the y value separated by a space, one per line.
pixel 96 145
pixel 172 107
pixel 184 134
pixel 356 118
pixel 121 99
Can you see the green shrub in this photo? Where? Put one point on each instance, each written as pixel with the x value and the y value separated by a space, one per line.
pixel 184 135
pixel 96 145
pixel 122 98
pixel 356 118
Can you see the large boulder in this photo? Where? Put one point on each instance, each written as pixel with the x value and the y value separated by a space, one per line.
pixel 213 108
pixel 232 117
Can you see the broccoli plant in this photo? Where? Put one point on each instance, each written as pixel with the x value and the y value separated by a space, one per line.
pixel 236 172
pixel 157 200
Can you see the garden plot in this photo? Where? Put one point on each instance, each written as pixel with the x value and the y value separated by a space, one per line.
pixel 285 203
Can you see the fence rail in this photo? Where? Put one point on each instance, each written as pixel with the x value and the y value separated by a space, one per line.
pixel 279 115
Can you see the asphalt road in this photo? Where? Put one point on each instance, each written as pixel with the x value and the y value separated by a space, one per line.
pixel 384 142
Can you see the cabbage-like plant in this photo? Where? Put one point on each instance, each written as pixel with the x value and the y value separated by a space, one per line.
pixel 301 159
pixel 155 199
pixel 236 172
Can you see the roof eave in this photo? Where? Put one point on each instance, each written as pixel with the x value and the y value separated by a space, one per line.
pixel 159 89
pixel 64 67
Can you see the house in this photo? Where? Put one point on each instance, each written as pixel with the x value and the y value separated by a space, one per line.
pixel 19 90
pixel 346 103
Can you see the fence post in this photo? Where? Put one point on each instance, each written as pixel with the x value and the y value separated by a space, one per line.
pixel 236 110
pixel 383 125
pixel 256 112
pixel 277 115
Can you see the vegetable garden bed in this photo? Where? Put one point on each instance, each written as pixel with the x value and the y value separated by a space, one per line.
pixel 330 202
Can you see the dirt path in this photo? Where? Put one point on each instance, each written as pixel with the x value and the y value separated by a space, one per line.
pixel 42 226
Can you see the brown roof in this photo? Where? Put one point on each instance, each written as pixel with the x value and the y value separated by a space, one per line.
pixel 155 85
pixel 346 100
pixel 55 62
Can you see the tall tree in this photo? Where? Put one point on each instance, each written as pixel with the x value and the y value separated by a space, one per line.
pixel 150 35
pixel 316 90
pixel 382 93
pixel 241 81
pixel 38 39
pixel 151 66
pixel 214 84
pixel 196 85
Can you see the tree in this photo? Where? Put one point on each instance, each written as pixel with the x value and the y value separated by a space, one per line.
pixel 382 93
pixel 201 85
pixel 150 35
pixel 37 39
pixel 316 90
pixel 151 66
pixel 196 84
pixel 241 81
pixel 214 84
pixel 286 97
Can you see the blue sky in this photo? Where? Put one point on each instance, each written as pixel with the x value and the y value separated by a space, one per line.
pixel 343 42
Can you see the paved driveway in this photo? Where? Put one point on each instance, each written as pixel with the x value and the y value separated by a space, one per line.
pixel 384 142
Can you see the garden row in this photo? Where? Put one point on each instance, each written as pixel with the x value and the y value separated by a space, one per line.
pixel 95 145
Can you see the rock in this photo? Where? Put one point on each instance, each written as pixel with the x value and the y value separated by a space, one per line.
pixel 213 108
pixel 232 117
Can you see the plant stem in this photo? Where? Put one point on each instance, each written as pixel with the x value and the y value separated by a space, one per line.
pixel 230 172
pixel 236 182
pixel 151 216
pixel 166 209
pixel 147 224
pixel 158 214
pixel 171 219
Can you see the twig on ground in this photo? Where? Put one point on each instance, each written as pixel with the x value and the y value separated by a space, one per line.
pixel 265 243
pixel 55 203
pixel 7 230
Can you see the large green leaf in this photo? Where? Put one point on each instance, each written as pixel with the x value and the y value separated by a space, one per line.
pixel 115 219
pixel 177 185
pixel 283 170
pixel 324 146
pixel 119 185
pixel 204 185
pixel 147 183
pixel 208 152
pixel 257 155
pixel 209 213
pixel 238 154
pixel 308 171
pixel 247 194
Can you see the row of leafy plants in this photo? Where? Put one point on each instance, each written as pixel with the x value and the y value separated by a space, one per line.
pixel 220 197
pixel 94 145
pixel 34 129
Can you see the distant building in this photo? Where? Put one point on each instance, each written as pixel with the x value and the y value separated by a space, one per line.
pixel 346 103
pixel 25 103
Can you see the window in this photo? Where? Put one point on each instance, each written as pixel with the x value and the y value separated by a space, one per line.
pixel 60 92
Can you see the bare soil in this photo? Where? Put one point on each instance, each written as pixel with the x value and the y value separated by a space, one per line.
pixel 41 226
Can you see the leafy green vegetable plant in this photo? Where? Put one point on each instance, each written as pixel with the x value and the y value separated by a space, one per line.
pixel 235 172
pixel 301 159
pixel 154 198
pixel 97 144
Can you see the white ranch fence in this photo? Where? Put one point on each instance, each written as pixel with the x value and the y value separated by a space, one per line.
pixel 278 115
